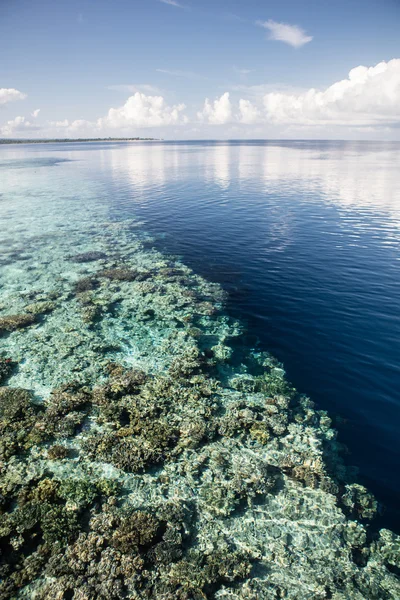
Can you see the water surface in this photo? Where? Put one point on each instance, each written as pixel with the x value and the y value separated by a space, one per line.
pixel 304 236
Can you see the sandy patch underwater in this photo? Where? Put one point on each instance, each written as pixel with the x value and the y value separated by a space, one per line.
pixel 146 451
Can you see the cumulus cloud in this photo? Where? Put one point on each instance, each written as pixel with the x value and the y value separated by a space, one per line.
pixel 368 100
pixel 369 96
pixel 17 125
pixel 143 111
pixel 248 113
pixel 218 112
pixel 10 94
pixel 82 127
pixel 283 32
pixel 138 112
pixel 223 111
pixel 57 124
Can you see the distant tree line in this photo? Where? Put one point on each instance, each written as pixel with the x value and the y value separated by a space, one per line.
pixel 61 140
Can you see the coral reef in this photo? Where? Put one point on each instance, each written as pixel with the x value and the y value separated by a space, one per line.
pixel 40 308
pixel 57 452
pixel 6 368
pixel 13 322
pixel 146 451
pixel 123 274
pixel 86 284
pixel 85 257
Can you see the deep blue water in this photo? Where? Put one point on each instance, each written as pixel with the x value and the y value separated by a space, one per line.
pixel 306 238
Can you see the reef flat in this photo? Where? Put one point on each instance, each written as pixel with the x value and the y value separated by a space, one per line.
pixel 146 450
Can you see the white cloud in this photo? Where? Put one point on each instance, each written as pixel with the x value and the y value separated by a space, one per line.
pixel 75 129
pixel 172 3
pixel 57 124
pixel 283 32
pixel 219 112
pixel 138 112
pixel 248 113
pixel 366 103
pixel 143 111
pixel 10 94
pixel 368 97
pixel 17 125
pixel 81 127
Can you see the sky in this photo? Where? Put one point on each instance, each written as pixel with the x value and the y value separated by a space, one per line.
pixel 200 69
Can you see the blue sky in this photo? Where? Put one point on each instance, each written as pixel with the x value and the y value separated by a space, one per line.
pixel 154 63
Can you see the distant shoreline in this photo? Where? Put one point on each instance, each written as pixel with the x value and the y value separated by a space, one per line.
pixel 4 141
pixel 78 140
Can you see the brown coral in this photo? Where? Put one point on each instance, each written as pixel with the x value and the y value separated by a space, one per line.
pixel 13 322
pixel 85 257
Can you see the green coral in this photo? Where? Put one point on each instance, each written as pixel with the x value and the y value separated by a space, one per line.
pixel 83 492
pixel 79 492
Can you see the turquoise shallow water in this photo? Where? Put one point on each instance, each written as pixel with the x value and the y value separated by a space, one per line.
pixel 169 397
